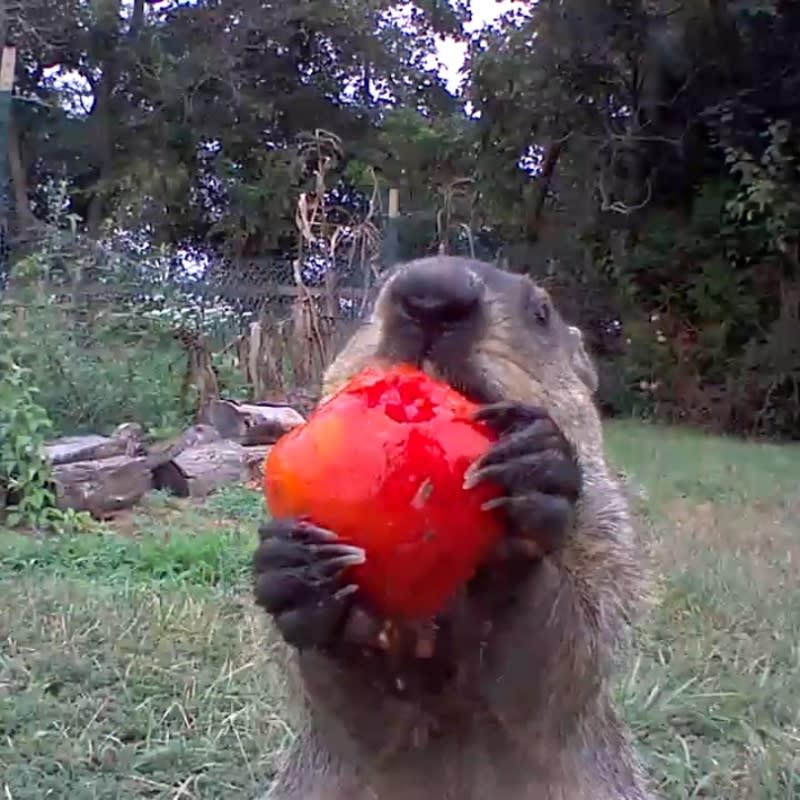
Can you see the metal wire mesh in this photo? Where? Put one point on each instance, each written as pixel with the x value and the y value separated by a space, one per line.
pixel 119 330
pixel 5 246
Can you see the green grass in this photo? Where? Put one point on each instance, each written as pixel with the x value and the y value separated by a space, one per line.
pixel 132 664
pixel 714 691
pixel 673 463
pixel 127 692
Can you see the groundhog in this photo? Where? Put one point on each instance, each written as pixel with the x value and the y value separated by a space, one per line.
pixel 507 692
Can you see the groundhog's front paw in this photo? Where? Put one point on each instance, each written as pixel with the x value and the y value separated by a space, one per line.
pixel 298 580
pixel 537 467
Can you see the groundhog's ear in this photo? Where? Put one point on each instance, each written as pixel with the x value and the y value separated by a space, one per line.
pixel 582 362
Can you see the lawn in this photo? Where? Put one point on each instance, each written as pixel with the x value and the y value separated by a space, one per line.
pixel 132 664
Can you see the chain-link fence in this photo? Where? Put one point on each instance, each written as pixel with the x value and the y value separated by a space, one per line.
pixel 119 329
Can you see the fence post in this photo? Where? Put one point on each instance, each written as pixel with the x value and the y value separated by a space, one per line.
pixel 7 64
pixel 390 244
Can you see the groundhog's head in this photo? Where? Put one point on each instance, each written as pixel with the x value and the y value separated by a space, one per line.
pixel 491 334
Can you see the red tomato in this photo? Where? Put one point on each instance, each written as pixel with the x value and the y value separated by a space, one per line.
pixel 381 463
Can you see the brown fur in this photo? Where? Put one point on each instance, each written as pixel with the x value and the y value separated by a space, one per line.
pixel 529 715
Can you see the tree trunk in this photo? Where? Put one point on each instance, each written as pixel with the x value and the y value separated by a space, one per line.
pixel 18 174
pixel 103 120
pixel 198 471
pixel 545 181
pixel 103 144
pixel 104 486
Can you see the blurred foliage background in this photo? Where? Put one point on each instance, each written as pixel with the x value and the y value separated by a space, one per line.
pixel 180 172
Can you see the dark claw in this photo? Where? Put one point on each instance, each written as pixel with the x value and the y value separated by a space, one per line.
pixel 336 557
pixel 543 518
pixel 299 530
pixel 297 579
pixel 551 476
pixel 507 417
pixel 324 560
pixel 536 467
pixel 541 435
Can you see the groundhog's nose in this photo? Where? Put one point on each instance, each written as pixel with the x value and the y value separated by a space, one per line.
pixel 435 298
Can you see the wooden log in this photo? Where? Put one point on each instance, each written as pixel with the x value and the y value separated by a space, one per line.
pixel 254 462
pixel 303 400
pixel 250 423
pixel 102 486
pixel 162 452
pixel 69 449
pixel 198 471
pixel 125 440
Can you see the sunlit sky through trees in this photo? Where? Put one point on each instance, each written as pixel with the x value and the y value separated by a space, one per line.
pixel 452 53
pixel 77 96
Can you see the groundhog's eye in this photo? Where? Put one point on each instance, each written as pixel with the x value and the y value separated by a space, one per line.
pixel 538 308
pixel 541 312
pixel 537 305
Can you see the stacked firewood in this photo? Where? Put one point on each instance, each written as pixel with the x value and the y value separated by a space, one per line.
pixel 227 444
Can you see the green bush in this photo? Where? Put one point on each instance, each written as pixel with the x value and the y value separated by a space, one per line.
pixel 26 494
pixel 708 338
pixel 97 360
pixel 96 328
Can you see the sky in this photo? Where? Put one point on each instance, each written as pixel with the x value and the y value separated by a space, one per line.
pixel 452 53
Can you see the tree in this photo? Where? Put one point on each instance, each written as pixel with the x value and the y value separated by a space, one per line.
pixel 680 121
pixel 191 112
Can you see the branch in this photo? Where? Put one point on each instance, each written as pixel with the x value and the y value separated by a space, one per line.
pixel 549 163
pixel 617 206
